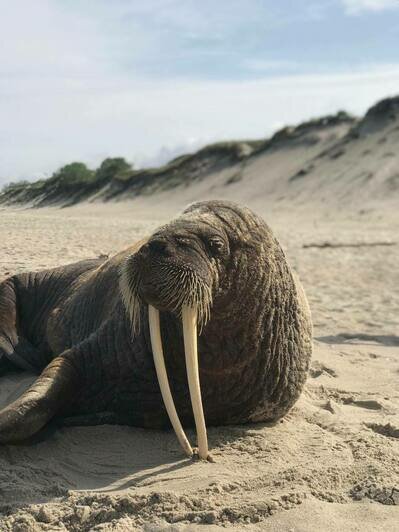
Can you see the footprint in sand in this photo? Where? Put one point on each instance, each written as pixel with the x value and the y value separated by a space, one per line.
pixel 317 369
pixel 369 404
pixel 387 430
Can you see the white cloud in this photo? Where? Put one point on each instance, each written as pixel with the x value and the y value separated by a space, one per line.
pixel 264 65
pixel 354 7
pixel 38 38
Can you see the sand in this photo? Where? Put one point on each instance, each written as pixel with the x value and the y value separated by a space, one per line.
pixel 331 464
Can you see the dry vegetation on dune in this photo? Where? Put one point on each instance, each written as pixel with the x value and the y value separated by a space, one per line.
pixel 330 192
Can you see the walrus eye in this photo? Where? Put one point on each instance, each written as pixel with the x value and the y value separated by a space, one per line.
pixel 216 245
pixel 183 242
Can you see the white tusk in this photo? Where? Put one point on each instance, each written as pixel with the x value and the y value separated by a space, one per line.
pixel 189 318
pixel 157 351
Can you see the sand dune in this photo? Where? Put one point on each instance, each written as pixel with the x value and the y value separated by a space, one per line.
pixel 333 162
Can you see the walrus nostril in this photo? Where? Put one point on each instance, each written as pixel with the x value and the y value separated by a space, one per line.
pixel 158 246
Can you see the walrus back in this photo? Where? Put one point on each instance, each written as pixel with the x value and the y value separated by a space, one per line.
pixel 26 302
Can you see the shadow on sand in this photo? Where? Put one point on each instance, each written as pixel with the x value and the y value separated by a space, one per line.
pixel 360 338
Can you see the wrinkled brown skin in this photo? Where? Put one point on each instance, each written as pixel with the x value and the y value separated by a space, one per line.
pixel 254 353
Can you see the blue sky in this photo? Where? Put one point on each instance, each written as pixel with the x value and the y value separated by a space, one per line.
pixel 83 80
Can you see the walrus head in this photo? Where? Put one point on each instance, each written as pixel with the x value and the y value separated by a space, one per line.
pixel 180 265
pixel 183 268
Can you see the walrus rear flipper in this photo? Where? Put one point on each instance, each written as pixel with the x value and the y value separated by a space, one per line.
pixel 5 365
pixel 15 351
pixel 50 392
pixel 24 356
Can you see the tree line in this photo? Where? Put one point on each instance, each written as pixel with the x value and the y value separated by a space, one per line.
pixel 77 173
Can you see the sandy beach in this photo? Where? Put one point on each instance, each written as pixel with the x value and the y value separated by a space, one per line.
pixel 331 464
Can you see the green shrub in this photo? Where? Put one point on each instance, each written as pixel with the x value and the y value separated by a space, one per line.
pixel 73 174
pixel 111 167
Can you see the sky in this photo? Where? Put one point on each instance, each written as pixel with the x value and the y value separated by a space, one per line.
pixel 81 80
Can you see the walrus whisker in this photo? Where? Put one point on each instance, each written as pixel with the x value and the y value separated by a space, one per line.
pixel 129 284
pixel 189 318
pixel 157 351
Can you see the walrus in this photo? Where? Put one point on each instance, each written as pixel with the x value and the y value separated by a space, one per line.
pixel 203 322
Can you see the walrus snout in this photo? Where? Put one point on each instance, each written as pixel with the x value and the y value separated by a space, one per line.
pixel 170 273
pixel 157 246
pixel 179 252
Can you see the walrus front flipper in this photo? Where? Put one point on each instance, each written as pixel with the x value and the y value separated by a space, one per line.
pixel 91 420
pixel 51 391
